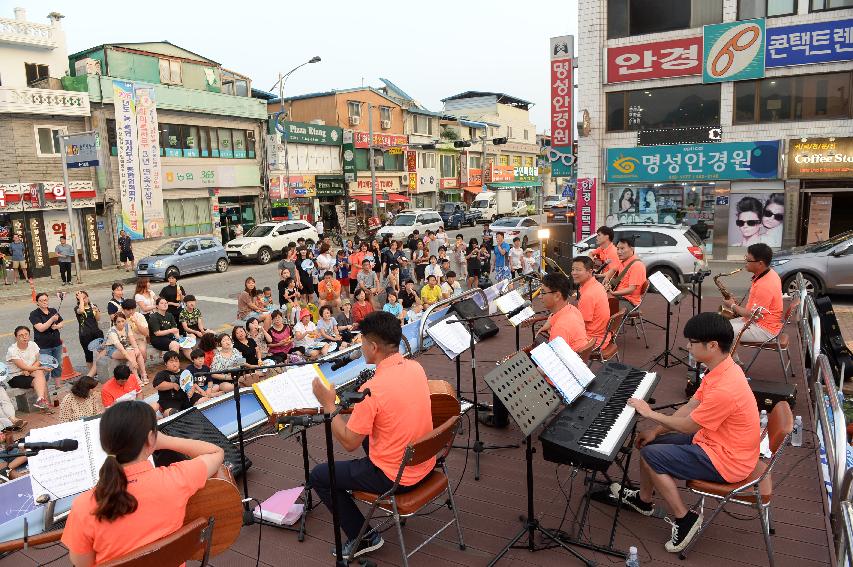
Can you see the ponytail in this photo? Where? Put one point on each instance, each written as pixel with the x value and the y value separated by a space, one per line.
pixel 124 430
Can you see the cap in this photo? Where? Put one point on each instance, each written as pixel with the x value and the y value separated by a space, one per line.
pixel 526 250
pixel 304 313
pixel 404 259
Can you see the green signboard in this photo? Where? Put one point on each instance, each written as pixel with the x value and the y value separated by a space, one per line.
pixel 304 133
pixel 330 185
pixel 348 149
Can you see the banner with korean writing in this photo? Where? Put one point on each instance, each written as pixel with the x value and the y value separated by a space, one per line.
pixel 562 98
pixel 694 162
pixel 362 139
pixel 128 159
pixel 151 183
pixel 656 60
pixel 348 154
pixel 805 44
pixel 585 207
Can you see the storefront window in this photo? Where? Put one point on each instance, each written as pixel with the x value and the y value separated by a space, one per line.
pixel 170 140
pixel 226 146
pixel 668 107
pixel 805 97
pixel 188 216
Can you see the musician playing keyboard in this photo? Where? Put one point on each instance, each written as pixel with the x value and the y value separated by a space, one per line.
pixel 714 437
pixel 765 291
pixel 631 276
pixel 397 412
pixel 606 255
pixel 592 298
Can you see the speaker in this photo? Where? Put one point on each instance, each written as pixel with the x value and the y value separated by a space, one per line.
pixel 559 246
pixel 483 328
pixel 194 425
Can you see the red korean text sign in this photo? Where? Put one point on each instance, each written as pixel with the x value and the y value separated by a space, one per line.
pixel 585 208
pixel 658 60
pixel 562 90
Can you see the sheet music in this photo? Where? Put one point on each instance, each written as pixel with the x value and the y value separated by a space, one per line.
pixel 522 316
pixel 128 397
pixel 576 366
pixel 453 338
pixel 59 474
pixel 510 302
pixel 557 372
pixel 664 286
pixel 291 389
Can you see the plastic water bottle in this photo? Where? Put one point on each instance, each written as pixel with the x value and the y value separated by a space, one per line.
pixel 797 433
pixel 633 560
pixel 765 441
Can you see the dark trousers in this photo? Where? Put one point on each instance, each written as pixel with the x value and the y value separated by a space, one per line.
pixel 87 338
pixel 358 474
pixel 65 271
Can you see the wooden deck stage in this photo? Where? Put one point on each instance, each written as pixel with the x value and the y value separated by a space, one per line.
pixel 490 508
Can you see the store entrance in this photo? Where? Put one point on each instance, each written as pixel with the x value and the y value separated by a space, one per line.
pixel 825 215
pixel 236 216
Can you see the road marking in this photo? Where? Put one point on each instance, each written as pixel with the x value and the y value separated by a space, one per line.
pixel 224 300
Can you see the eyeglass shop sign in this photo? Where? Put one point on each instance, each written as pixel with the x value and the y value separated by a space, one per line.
pixel 695 162
pixel 304 133
pixel 820 158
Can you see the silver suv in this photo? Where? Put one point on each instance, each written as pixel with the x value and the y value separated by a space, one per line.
pixel 827 266
pixel 675 250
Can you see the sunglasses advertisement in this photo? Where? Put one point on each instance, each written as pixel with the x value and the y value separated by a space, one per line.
pixel 756 217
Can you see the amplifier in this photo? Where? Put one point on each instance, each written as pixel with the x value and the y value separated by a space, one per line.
pixel 768 394
pixel 192 424
pixel 483 328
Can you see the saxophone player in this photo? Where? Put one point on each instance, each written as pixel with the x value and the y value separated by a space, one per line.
pixel 765 292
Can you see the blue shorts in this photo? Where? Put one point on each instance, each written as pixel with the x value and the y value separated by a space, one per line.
pixel 675 454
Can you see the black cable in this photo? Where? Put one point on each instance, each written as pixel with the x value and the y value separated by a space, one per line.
pixel 260 526
pixel 63 556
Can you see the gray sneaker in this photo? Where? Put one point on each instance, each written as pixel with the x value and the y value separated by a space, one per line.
pixel 368 543
pixel 42 404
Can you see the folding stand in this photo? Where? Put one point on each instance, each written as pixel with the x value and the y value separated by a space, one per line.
pixel 667 353
pixel 530 401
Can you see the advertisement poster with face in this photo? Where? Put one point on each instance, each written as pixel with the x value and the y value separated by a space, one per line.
pixel 756 217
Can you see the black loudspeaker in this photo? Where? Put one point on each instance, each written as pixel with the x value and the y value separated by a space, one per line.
pixel 559 245
pixel 483 328
pixel 194 425
pixel 832 343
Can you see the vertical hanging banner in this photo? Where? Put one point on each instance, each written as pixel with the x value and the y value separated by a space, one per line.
pixel 562 108
pixel 585 207
pixel 348 153
pixel 128 159
pixel 150 175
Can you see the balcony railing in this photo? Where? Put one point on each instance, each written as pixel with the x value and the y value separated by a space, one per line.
pixel 26 33
pixel 43 101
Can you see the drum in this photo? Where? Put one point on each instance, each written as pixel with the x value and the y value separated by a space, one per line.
pixel 187 342
pixel 48 362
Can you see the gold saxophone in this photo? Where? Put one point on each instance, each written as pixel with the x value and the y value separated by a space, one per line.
pixel 726 312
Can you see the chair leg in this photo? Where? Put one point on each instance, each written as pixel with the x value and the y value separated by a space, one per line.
pixel 643 327
pixel 751 362
pixel 396 515
pixel 765 531
pixel 452 505
pixel 362 532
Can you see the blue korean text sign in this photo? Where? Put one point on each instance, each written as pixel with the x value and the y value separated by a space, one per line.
pixel 733 51
pixel 694 162
pixel 805 44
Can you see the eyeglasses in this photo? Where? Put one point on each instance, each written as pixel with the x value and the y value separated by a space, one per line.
pixel 776 216
pixel 547 292
pixel 749 261
pixel 748 222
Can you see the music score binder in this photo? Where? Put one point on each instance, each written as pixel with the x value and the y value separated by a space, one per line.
pixel 59 474
pixel 290 390
pixel 564 368
pixel 515 307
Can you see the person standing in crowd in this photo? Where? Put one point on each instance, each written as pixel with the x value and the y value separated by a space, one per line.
pixel 420 259
pixel 238 230
pixel 47 322
pixel 342 272
pixel 81 401
pixel 125 249
pixel 116 299
pixel 17 251
pixel 500 266
pixel 174 295
pixel 88 316
pixel 320 227
pixel 145 297
pixel 325 261
pixel 458 255
pixel 25 367
pixel 64 257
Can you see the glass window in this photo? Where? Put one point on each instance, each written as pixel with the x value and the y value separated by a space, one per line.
pixel 35 72
pixel 516 161
pixel 427 160
pixel 214 142
pixel 805 97
pixel 475 161
pixel 112 137
pixel 503 160
pixel 392 162
pixel 528 161
pixel 526 135
pixel 47 140
pixel 239 137
pixel 226 146
pixel 170 139
pixel 448 165
pixel 241 88
pixel 745 101
pixel 353 108
pixel 186 217
pixel 385 113
pixel 664 240
pixel 820 5
pixel 686 105
pixel 615 111
pixel 250 144
pixel 204 142
pixel 207 244
pixel 170 71
pixel 191 141
pixel 748 9
pixel 638 17
pixel 823 96
pixel 362 159
pixel 509 131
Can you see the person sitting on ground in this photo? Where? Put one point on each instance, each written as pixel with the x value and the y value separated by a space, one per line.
pixel 259 335
pixel 414 313
pixel 138 325
pixel 368 281
pixel 393 307
pixel 306 337
pixel 361 307
pixel 431 292
pixel 25 368
pixel 329 290
pixel 164 328
pixel 208 345
pixel 327 326
pixel 171 397
pixel 120 344
pixel 409 295
pixel 226 358
pixel 281 338
pixel 190 318
pixel 405 270
pixel 246 304
pixel 451 288
pixel 122 386
pixel 714 437
pixel 201 379
pixel 81 401
pixel 266 299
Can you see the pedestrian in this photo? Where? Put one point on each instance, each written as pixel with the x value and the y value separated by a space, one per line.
pixel 47 323
pixel 420 258
pixel 88 316
pixel 238 230
pixel 125 250
pixel 457 257
pixel 342 271
pixel 64 256
pixel 515 256
pixel 355 260
pixel 319 226
pixel 19 258
pixel 473 264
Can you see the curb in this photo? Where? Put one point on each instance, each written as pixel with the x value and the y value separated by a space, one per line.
pixel 26 293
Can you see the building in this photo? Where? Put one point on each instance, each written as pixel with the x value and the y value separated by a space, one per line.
pixel 733 116
pixel 34 112
pixel 184 140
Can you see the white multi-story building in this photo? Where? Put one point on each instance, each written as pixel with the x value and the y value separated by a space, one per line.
pixel 748 103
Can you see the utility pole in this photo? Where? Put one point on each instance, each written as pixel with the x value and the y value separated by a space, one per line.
pixel 372 165
pixel 483 139
pixel 71 224
pixel 286 136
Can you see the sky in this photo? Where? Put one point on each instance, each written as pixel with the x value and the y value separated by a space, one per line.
pixel 431 50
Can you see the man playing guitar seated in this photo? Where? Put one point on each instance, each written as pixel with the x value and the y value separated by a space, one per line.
pixel 631 277
pixel 765 292
pixel 605 256
pixel 592 299
pixel 713 437
pixel 397 412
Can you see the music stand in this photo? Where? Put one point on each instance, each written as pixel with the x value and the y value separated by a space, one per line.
pixel 672 295
pixel 530 400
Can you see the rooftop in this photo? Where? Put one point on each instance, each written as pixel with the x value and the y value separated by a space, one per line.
pixel 502 98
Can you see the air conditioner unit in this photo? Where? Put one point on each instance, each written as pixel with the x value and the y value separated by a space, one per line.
pixel 354 120
pixel 87 66
pixel 385 124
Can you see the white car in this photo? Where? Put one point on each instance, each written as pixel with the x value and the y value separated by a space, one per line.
pixel 266 240
pixel 522 227
pixel 519 209
pixel 554 201
pixel 408 221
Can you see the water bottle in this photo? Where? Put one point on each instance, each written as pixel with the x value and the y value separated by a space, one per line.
pixel 633 560
pixel 797 433
pixel 765 440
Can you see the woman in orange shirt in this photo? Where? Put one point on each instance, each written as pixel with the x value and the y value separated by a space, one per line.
pixel 134 502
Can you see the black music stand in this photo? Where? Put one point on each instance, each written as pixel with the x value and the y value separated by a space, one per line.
pixel 662 359
pixel 530 401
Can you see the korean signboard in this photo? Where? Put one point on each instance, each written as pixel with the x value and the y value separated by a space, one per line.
pixel 411 161
pixel 733 51
pixel 525 173
pixel 128 159
pixel 804 44
pixel 149 162
pixel 562 100
pixel 585 207
pixel 81 150
pixel 304 133
pixel 11 195
pixel 820 158
pixel 427 179
pixel 196 176
pixel 299 186
pixel 694 162
pixel 656 60
pixel 362 139
pixel 386 184
pixel 500 173
pixel 348 152
pixel 448 183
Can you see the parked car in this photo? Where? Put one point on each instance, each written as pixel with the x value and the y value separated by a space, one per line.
pixel 408 221
pixel 827 266
pixel 674 250
pixel 522 227
pixel 183 256
pixel 519 209
pixel 553 201
pixel 457 215
pixel 265 241
pixel 562 212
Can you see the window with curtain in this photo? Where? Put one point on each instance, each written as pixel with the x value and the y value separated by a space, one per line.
pixel 362 159
pixel 392 162
pixel 239 137
pixel 191 141
pixel 447 165
pixel 226 144
pixel 187 217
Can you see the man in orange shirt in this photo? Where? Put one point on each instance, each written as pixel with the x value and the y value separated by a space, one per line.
pixel 632 276
pixel 606 252
pixel 713 437
pixel 765 292
pixel 329 290
pixel 565 320
pixel 592 299
pixel 397 412
pixel 121 384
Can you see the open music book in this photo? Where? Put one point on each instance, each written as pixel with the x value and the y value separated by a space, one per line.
pixel 290 390
pixel 563 367
pixel 60 474
pixel 515 307
pixel 453 338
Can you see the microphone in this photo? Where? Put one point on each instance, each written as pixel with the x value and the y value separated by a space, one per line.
pixel 63 445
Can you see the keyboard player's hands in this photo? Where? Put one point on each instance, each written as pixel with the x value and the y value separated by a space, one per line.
pixel 645 437
pixel 643 408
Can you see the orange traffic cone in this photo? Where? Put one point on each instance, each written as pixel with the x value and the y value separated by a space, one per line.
pixel 68 372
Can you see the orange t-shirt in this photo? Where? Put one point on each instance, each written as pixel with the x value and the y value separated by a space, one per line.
pixel 325 293
pixel 728 416
pixel 609 253
pixel 111 391
pixel 355 260
pixel 397 412
pixel 595 309
pixel 766 291
pixel 568 323
pixel 161 493
pixel 636 276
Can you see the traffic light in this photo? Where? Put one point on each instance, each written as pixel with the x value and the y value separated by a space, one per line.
pixel 462 144
pixel 498 141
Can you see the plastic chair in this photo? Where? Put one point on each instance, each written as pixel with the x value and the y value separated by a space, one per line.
pixel 436 443
pixel 778 343
pixel 756 490
pixel 174 549
pixel 601 353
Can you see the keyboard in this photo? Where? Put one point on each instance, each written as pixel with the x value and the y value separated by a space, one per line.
pixel 589 433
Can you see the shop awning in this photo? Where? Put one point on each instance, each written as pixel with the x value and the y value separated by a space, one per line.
pixel 474 190
pixel 392 198
pixel 511 184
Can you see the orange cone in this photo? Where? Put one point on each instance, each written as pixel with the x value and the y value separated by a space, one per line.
pixel 68 372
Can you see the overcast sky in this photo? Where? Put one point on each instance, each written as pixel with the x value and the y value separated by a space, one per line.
pixel 429 49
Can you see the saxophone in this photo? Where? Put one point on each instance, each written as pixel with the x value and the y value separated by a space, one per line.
pixel 723 310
